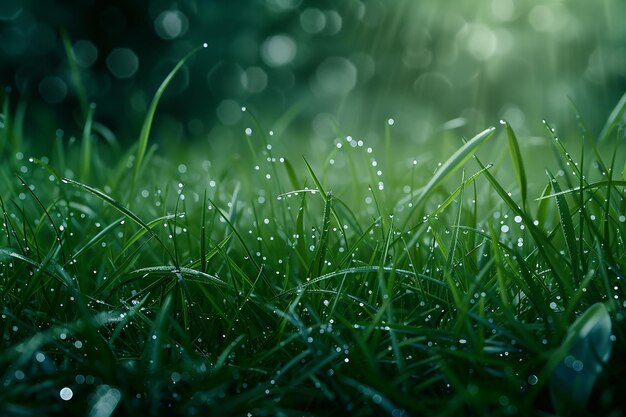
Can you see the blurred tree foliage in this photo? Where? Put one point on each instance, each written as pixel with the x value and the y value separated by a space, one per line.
pixel 359 61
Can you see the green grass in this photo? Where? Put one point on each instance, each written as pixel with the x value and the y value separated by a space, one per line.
pixel 191 284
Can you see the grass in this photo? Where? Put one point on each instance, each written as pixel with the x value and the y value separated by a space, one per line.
pixel 271 285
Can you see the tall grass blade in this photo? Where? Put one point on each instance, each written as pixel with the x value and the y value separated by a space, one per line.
pixel 47 214
pixel 518 163
pixel 291 173
pixel 456 192
pixel 119 207
pixel 614 119
pixel 538 235
pixel 589 187
pixel 449 167
pixel 363 270
pixel 75 73
pixel 567 227
pixel 203 233
pixel 325 196
pixel 144 135
pixel 85 168
pixel 317 263
pixel 242 241
pixel 156 341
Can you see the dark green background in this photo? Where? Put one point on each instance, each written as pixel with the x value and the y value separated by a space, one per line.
pixel 422 63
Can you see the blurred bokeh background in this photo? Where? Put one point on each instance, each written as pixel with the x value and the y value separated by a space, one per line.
pixel 304 64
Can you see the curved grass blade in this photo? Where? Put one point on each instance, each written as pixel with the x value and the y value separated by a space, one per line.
pixel 46 266
pixel 75 73
pixel 568 228
pixel 47 214
pixel 97 238
pixel 221 359
pixel 518 163
pixel 362 270
pixel 450 166
pixel 128 317
pixel 209 254
pixel 300 245
pixel 543 209
pixel 580 359
pixel 147 124
pixel 119 207
pixel 614 119
pixel 355 245
pixel 161 271
pixel 588 187
pixel 140 233
pixel 242 241
pixel 156 351
pixel 538 235
pixel 45 166
pixel 325 195
pixel 291 173
pixel 456 192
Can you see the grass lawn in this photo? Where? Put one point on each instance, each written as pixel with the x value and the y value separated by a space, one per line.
pixel 483 278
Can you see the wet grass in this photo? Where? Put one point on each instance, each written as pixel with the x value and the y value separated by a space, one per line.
pixel 347 282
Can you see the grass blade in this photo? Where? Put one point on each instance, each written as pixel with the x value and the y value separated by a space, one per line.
pixel 203 233
pixel 94 240
pixel 456 192
pixel 325 196
pixel 588 347
pixel 75 73
pixel 518 163
pixel 538 235
pixel 450 166
pixel 144 135
pixel 614 119
pixel 291 173
pixel 119 207
pixel 567 227
pixel 85 167
pixel 317 263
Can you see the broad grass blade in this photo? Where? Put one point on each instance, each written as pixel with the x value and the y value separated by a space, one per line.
pixel 567 227
pixel 580 359
pixel 518 163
